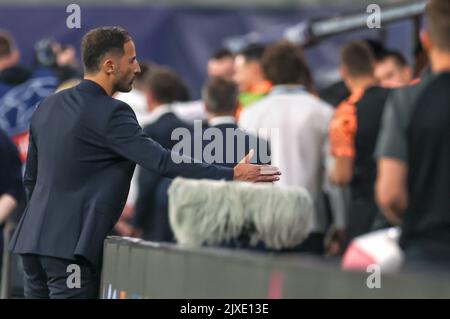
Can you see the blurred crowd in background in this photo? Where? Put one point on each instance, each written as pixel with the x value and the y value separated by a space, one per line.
pixel 372 150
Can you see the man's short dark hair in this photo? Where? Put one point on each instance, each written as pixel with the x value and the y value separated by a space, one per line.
pixel 100 41
pixel 166 85
pixel 7 44
pixel 253 52
pixel 220 95
pixel 283 63
pixel 358 59
pixel 398 58
pixel 437 13
pixel 221 53
pixel 377 48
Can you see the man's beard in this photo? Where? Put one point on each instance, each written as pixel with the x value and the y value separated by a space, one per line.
pixel 124 86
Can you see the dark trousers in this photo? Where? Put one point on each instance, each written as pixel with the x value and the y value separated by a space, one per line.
pixel 56 278
pixel 363 217
pixel 428 257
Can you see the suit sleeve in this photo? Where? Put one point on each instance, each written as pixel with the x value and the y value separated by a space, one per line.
pixel 125 137
pixel 29 179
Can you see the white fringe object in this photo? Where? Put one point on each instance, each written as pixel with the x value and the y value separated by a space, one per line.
pixel 208 211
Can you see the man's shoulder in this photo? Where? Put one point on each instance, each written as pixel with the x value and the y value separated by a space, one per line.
pixel 402 100
pixel 166 124
pixel 248 134
pixel 257 111
pixel 318 108
pixel 374 98
pixel 257 106
pixel 410 92
pixel 168 120
pixel 308 102
pixel 321 104
pixel 377 91
pixel 47 103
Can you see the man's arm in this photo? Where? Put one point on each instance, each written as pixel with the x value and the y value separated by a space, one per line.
pixel 342 172
pixel 125 137
pixel 342 142
pixel 392 154
pixel 391 193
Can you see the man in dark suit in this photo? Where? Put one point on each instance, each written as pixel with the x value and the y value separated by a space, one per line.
pixel 220 97
pixel 162 87
pixel 82 153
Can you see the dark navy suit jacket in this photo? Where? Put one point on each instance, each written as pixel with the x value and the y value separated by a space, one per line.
pixel 82 154
pixel 151 209
pixel 237 143
pixel 230 142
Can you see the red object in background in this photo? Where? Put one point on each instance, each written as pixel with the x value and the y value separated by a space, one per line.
pixel 21 141
pixel 276 283
pixel 356 258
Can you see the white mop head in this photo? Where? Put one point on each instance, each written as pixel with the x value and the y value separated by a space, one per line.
pixel 212 212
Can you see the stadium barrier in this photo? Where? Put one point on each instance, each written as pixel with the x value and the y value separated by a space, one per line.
pixel 135 268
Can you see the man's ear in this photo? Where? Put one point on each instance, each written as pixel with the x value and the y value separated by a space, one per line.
pixel 425 40
pixel 109 66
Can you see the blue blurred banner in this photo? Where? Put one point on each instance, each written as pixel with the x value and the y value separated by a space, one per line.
pixel 182 37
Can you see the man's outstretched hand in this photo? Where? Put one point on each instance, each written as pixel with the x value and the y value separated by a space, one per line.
pixel 244 171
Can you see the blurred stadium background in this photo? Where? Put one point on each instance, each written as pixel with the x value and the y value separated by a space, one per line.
pixel 184 34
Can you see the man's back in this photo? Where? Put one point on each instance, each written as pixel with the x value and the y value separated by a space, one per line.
pixel 76 172
pixel 369 112
pixel 301 121
pixel 161 129
pixel 426 223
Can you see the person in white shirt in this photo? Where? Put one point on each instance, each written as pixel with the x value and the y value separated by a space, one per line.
pixel 295 122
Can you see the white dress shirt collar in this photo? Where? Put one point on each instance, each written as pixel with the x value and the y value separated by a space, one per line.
pixel 287 89
pixel 218 120
pixel 160 111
